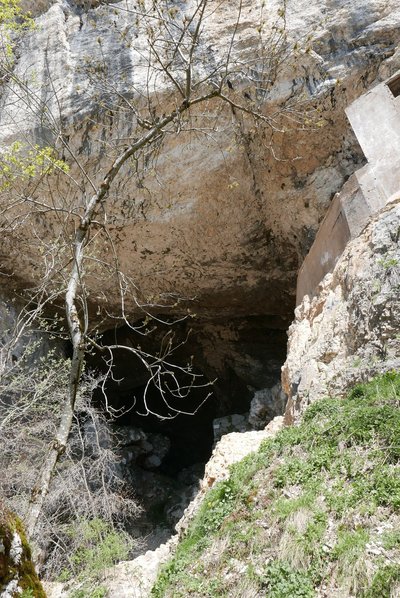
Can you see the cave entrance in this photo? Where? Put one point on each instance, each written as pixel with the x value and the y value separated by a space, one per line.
pixel 164 457
pixel 232 359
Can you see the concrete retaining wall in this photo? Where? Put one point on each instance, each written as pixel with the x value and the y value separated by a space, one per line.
pixel 375 118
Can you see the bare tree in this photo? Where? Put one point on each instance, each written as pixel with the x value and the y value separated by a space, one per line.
pixel 183 89
pixel 87 482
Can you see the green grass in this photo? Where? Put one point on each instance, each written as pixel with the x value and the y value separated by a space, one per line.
pixel 383 581
pixel 391 539
pixel 304 510
pixel 98 546
pixel 282 581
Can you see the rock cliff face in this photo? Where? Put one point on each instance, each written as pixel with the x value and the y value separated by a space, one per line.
pixel 223 221
pixel 226 221
pixel 350 330
pixel 232 239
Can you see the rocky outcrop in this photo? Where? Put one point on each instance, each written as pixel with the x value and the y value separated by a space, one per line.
pixel 232 448
pixel 232 240
pixel 266 405
pixel 349 331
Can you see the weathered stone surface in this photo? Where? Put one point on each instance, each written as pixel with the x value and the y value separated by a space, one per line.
pixel 129 579
pixel 134 579
pixel 17 572
pixel 233 239
pixel 233 448
pixel 266 404
pixel 350 330
pixel 230 423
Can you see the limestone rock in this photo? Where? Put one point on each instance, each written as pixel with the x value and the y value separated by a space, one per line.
pixel 233 448
pixel 134 579
pixel 265 405
pixel 129 579
pixel 234 238
pixel 350 330
pixel 17 572
pixel 230 423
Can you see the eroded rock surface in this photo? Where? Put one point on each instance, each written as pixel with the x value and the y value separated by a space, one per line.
pixel 17 573
pixel 233 239
pixel 233 448
pixel 350 330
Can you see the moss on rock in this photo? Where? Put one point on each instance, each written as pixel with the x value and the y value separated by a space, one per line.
pixel 17 572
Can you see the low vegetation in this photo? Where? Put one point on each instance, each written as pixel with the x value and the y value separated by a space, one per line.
pixel 315 513
pixel 88 500
pixel 97 546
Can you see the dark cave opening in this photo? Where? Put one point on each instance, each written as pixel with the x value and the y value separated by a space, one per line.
pixel 162 458
pixel 190 435
pixel 233 358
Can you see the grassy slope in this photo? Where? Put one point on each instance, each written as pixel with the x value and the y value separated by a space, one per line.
pixel 316 512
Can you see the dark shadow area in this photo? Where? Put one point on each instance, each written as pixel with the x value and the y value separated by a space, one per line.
pixel 232 360
pixel 191 436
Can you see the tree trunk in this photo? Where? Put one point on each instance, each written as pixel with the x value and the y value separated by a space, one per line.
pixel 76 328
